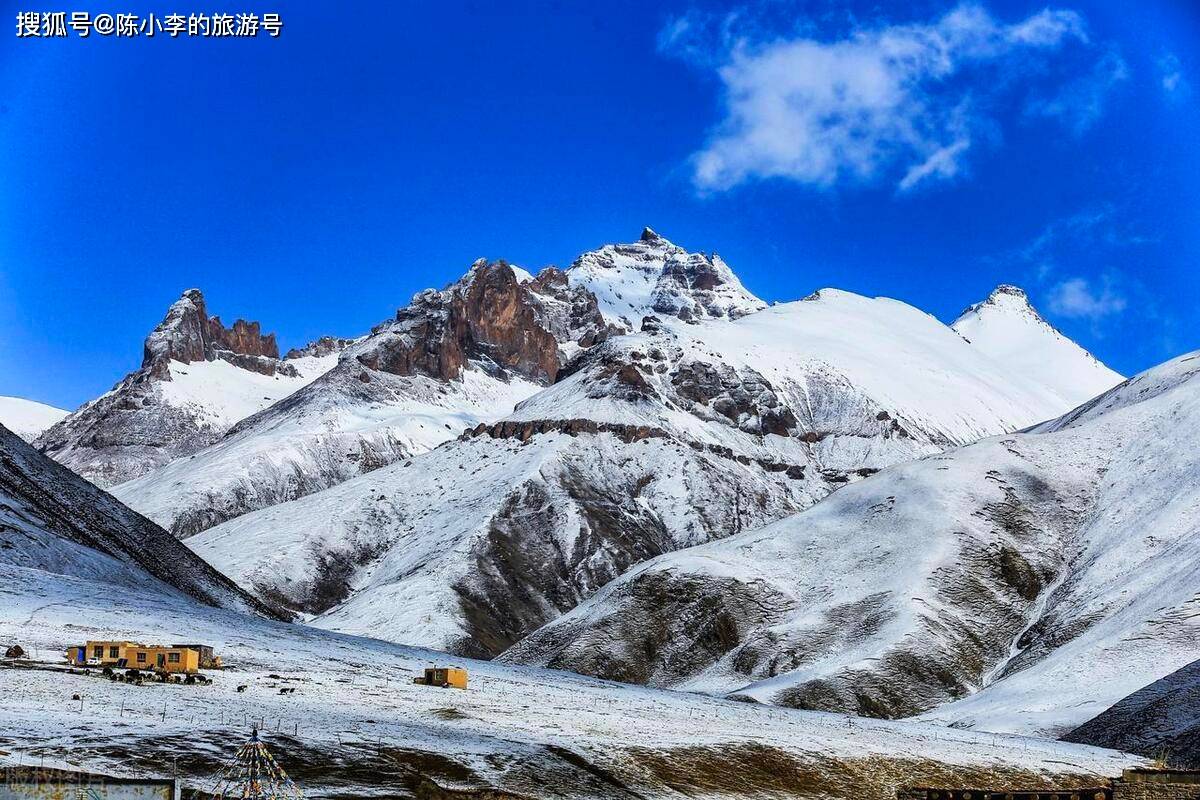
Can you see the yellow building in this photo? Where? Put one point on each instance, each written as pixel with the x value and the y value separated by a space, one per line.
pixel 164 659
pixel 134 655
pixel 101 653
pixel 446 677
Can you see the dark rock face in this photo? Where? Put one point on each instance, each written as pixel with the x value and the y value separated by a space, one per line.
pixel 745 398
pixel 492 318
pixel 188 334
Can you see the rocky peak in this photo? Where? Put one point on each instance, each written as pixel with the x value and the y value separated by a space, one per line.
pixel 654 276
pixel 187 334
pixel 490 317
pixel 1004 297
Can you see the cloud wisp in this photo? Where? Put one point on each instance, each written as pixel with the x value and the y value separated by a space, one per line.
pixel 907 103
pixel 1077 298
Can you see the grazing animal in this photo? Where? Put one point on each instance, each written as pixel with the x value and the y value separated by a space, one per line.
pixel 243 687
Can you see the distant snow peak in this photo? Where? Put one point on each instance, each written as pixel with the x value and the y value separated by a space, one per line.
pixel 653 275
pixel 27 418
pixel 1006 327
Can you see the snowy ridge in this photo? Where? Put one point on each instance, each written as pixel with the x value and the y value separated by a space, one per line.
pixel 28 418
pixel 995 573
pixel 53 521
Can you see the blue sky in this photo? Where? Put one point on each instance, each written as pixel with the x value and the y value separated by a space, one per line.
pixel 920 150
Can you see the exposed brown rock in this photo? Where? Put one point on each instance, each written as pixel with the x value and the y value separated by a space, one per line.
pixel 188 334
pixel 488 316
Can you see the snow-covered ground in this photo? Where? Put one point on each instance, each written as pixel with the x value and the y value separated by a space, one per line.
pixel 28 418
pixel 218 394
pixel 356 725
pixel 1040 576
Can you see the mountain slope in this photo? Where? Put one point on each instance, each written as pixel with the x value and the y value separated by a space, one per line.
pixel 1041 576
pixel 27 418
pixel 687 431
pixel 55 522
pixel 448 361
pixel 1008 329
pixel 1161 720
pixel 197 379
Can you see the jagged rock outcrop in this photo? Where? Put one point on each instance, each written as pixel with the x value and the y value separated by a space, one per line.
pixel 490 317
pixel 188 334
pixel 196 380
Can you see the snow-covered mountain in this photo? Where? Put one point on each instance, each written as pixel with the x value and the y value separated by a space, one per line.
pixel 1034 578
pixel 448 361
pixel 697 426
pixel 76 565
pixel 1008 329
pixel 28 418
pixel 197 379
pixel 55 523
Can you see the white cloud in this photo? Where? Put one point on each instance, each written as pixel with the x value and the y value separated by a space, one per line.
pixel 1080 103
pixel 1170 71
pixel 879 101
pixel 1076 299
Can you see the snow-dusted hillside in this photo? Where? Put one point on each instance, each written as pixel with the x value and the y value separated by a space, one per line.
pixel 1008 329
pixel 354 725
pixel 27 418
pixel 684 432
pixel 57 524
pixel 1042 576
pixel 1160 721
pixel 197 379
pixel 448 361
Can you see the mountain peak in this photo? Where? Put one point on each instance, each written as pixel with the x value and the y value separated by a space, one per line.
pixel 1008 290
pixel 649 236
pixel 655 276
pixel 1008 328
pixel 188 334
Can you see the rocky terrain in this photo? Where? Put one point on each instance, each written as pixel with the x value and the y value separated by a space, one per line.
pixel 690 429
pixel 1035 578
pixel 197 379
